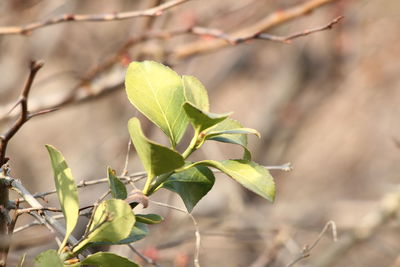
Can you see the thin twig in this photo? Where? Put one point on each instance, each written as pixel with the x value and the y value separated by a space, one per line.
pixel 234 40
pixel 306 251
pixel 143 257
pixel 78 96
pixel 151 12
pixel 196 226
pixel 35 66
pixel 276 18
pixel 125 170
pixel 368 226
pixel 29 198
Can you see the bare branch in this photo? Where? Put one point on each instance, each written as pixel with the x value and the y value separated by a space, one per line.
pixel 276 18
pixel 35 66
pixel 305 253
pixel 369 225
pixel 196 226
pixel 44 216
pixel 151 12
pixel 216 33
pixel 143 257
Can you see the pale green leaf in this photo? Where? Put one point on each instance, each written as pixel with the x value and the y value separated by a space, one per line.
pixel 156 159
pixel 112 221
pixel 49 258
pixel 66 191
pixel 149 218
pixel 202 120
pixel 157 92
pixel 191 185
pixel 195 93
pixel 138 232
pixel 108 259
pixel 231 131
pixel 249 174
pixel 117 188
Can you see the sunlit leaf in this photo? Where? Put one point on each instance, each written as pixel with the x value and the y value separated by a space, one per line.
pixel 156 159
pixel 117 188
pixel 191 185
pixel 112 221
pixel 195 93
pixel 202 120
pixel 49 258
pixel 249 174
pixel 149 218
pixel 108 259
pixel 66 191
pixel 231 131
pixel 157 92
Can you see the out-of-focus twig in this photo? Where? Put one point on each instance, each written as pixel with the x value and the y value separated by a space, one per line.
pixel 83 91
pixel 276 18
pixel 269 256
pixel 388 209
pixel 305 253
pixel 151 12
pixel 261 36
pixel 196 226
pixel 143 257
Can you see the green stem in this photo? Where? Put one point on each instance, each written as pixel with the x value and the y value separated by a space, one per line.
pixel 192 146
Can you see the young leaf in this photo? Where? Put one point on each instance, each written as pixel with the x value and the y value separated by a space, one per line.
pixel 117 188
pixel 107 259
pixel 156 159
pixel 249 174
pixel 149 218
pixel 191 185
pixel 157 92
pixel 47 259
pixel 202 120
pixel 231 131
pixel 195 93
pixel 112 221
pixel 66 191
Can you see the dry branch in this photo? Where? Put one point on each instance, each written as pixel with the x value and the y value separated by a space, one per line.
pixel 369 225
pixel 80 93
pixel 277 18
pixel 151 12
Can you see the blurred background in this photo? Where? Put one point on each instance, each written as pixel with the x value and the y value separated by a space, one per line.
pixel 328 103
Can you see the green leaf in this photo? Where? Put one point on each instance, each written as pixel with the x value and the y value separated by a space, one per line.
pixel 112 221
pixel 202 120
pixel 231 131
pixel 157 92
pixel 49 258
pixel 107 259
pixel 118 189
pixel 249 174
pixel 195 93
pixel 191 185
pixel 156 159
pixel 66 191
pixel 138 232
pixel 149 218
